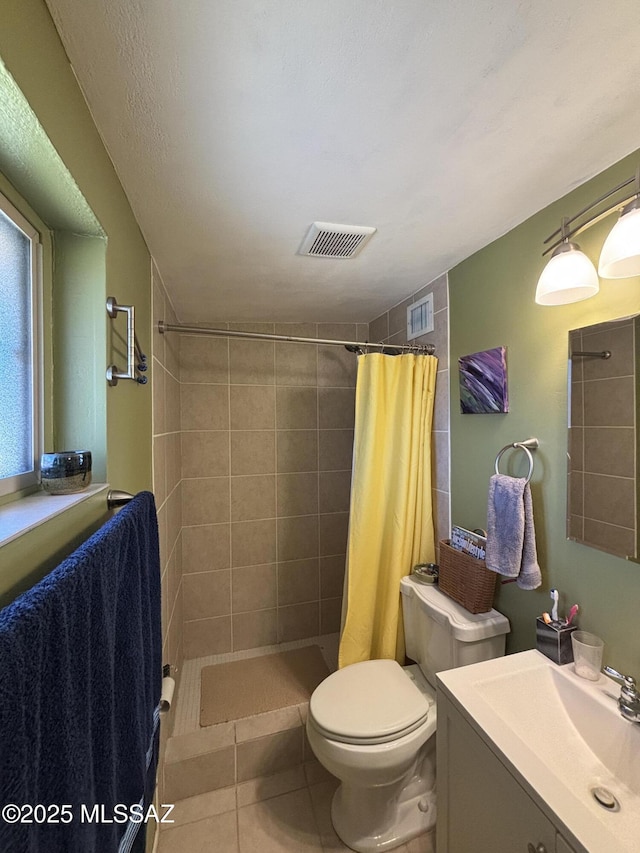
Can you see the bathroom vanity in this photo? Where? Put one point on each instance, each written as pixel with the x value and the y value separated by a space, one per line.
pixel 524 748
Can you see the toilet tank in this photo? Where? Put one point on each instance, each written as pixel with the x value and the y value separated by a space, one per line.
pixel 440 634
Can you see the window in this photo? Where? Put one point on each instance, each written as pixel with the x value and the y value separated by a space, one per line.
pixel 20 388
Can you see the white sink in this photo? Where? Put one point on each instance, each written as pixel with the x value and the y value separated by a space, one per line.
pixel 564 736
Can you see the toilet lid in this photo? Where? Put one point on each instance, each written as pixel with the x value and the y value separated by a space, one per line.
pixel 368 702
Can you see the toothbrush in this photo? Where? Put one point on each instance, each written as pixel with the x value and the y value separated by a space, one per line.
pixel 572 613
pixel 547 618
pixel 554 609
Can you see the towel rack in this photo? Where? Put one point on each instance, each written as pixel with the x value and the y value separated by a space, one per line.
pixel 113 374
pixel 605 353
pixel 116 498
pixel 526 446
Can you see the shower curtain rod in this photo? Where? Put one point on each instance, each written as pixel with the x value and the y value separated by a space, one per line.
pixel 352 346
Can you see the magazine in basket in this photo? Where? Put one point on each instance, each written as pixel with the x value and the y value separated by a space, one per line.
pixel 468 541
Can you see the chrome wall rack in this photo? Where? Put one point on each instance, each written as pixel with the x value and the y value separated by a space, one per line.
pixel 114 374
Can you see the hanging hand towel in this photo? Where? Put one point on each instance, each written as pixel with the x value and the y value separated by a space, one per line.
pixel 511 537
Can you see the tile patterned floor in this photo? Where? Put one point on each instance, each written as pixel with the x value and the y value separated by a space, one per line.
pixel 285 813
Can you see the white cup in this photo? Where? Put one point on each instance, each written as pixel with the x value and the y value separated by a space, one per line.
pixel 587 654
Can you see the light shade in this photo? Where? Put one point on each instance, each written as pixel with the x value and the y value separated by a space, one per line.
pixel 568 277
pixel 620 256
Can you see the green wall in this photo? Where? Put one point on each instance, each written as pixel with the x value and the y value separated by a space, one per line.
pixel 25 560
pixel 79 346
pixel 33 55
pixel 492 304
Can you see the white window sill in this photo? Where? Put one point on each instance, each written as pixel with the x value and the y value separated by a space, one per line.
pixel 25 514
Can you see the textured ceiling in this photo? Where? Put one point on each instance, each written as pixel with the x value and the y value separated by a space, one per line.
pixel 234 124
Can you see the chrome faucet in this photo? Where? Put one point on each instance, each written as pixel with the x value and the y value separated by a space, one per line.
pixel 629 699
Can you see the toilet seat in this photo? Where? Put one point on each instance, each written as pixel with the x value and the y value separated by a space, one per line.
pixel 368 703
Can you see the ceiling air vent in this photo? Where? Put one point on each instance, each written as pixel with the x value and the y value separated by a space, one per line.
pixel 327 240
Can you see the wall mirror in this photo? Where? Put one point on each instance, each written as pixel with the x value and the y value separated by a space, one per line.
pixel 602 465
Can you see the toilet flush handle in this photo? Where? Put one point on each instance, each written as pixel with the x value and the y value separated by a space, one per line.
pixel 539 849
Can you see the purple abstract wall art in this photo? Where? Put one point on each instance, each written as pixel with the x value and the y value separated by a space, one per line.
pixel 483 382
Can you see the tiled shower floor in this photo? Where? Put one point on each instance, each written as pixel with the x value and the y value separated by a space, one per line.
pixel 187 717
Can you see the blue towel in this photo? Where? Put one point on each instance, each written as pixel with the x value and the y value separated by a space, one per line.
pixel 511 537
pixel 80 680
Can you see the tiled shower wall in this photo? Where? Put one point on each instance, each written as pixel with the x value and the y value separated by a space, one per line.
pixel 391 327
pixel 266 444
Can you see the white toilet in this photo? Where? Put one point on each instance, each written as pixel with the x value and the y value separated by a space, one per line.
pixel 372 724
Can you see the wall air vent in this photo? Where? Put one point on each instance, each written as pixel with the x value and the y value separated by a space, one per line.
pixel 327 240
pixel 420 317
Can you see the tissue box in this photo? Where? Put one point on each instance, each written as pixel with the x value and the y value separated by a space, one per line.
pixel 554 641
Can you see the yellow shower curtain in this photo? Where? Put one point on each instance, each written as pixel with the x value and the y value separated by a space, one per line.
pixel 391 519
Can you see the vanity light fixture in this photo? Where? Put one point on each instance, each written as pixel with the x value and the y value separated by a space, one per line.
pixel 569 275
pixel 620 256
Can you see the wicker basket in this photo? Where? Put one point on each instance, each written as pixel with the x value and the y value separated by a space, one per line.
pixel 465 579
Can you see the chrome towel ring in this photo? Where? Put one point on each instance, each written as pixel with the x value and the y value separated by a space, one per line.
pixel 526 446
